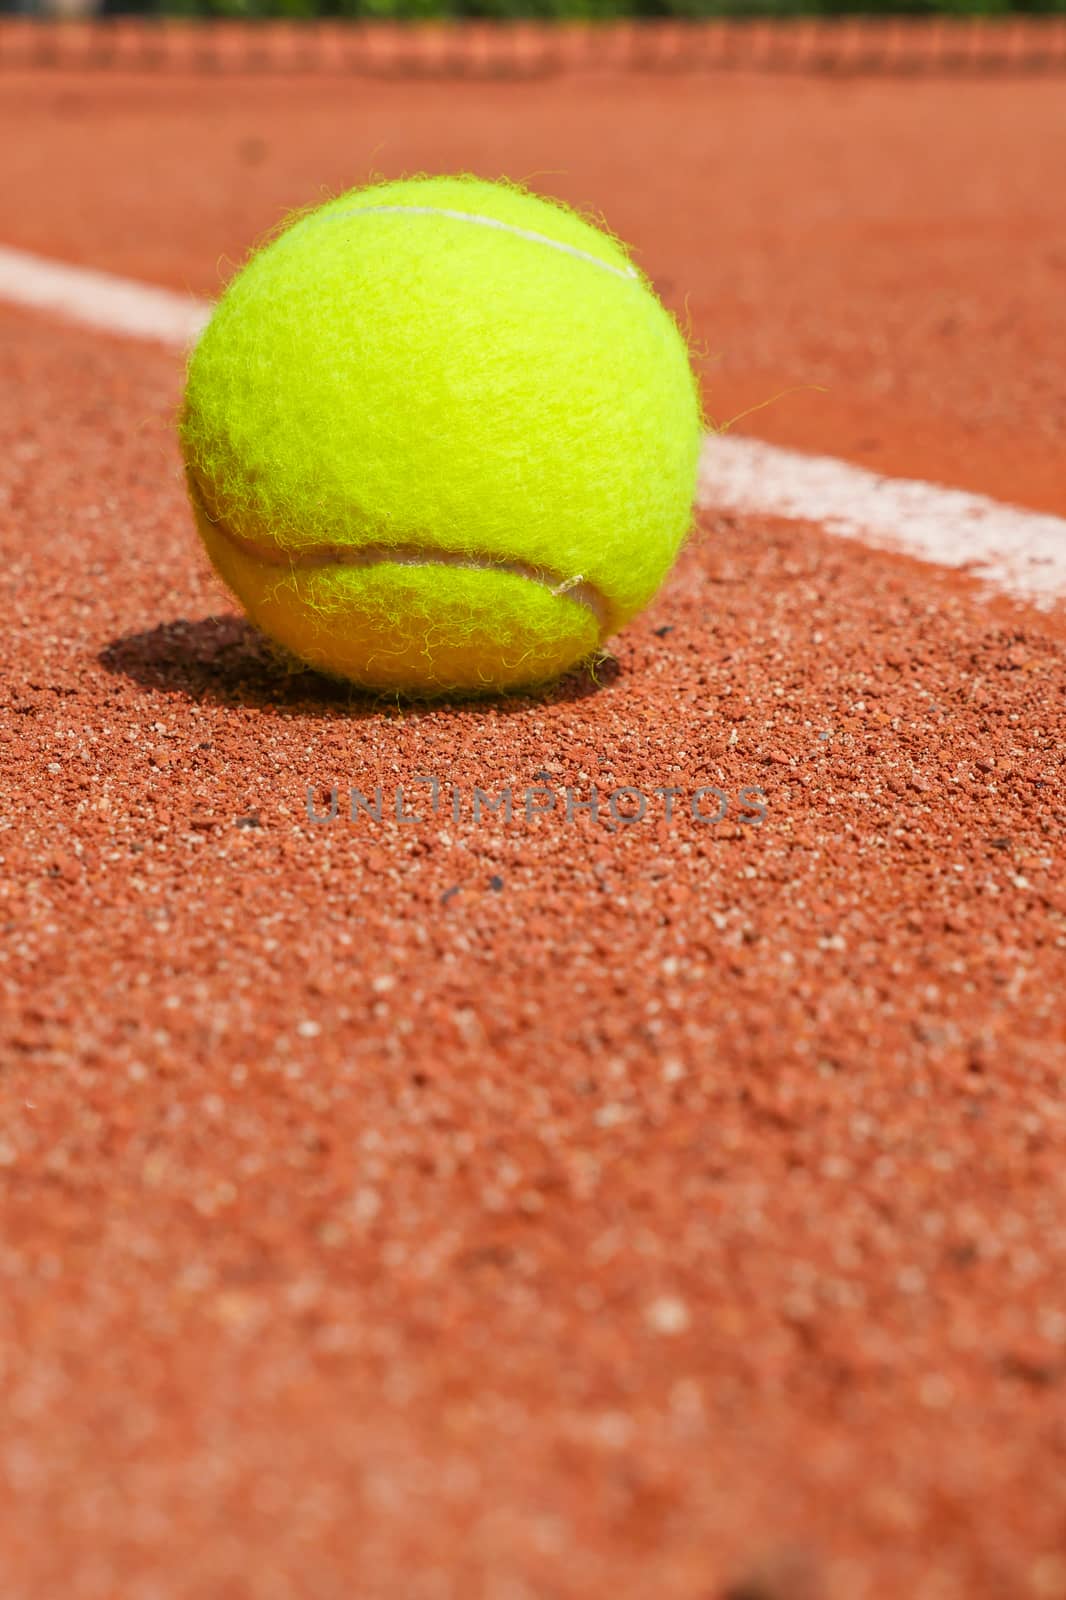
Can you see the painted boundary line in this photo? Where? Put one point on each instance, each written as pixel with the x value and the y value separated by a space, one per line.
pixel 1020 553
pixel 118 305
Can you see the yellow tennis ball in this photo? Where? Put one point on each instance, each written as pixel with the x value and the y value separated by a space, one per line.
pixel 440 435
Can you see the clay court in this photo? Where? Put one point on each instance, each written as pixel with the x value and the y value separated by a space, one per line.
pixel 563 1207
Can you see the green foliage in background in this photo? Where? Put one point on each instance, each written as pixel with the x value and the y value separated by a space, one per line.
pixel 581 10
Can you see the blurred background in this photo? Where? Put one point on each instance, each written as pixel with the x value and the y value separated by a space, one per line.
pixel 503 10
pixel 530 37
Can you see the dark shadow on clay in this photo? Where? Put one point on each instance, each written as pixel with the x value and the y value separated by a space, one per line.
pixel 223 660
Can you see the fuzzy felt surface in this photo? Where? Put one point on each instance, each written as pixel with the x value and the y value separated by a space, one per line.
pixel 456 367
pixel 401 627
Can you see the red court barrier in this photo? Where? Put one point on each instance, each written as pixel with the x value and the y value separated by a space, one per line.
pixel 849 45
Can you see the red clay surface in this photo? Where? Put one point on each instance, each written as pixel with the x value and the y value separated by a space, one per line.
pixel 542 1210
pixel 899 243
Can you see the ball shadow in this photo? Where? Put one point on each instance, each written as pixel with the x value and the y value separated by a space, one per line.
pixel 224 660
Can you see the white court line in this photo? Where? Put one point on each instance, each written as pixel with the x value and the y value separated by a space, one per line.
pixel 119 305
pixel 1021 553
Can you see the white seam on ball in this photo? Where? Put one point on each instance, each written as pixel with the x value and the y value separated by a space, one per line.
pixel 577 589
pixel 628 272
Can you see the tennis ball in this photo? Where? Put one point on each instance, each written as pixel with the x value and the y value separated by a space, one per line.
pixel 440 435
